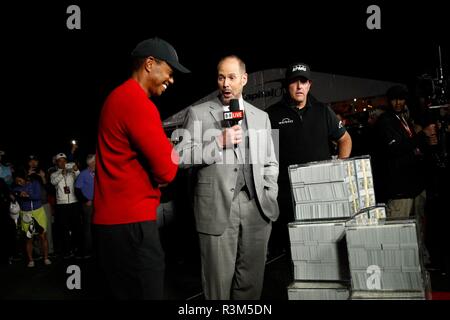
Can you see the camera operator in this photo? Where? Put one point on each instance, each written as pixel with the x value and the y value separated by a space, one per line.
pixel 68 210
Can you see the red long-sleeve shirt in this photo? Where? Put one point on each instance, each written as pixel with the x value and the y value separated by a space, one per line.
pixel 133 157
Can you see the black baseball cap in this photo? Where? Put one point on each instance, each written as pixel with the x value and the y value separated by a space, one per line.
pixel 397 92
pixel 160 49
pixel 297 70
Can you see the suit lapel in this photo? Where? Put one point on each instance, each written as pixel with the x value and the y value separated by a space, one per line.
pixel 252 126
pixel 216 112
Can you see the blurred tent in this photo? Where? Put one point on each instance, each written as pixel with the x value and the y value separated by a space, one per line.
pixel 265 88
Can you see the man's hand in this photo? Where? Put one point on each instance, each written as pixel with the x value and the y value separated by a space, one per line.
pixel 89 203
pixel 230 137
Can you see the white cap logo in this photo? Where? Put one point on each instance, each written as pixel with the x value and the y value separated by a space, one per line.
pixel 299 67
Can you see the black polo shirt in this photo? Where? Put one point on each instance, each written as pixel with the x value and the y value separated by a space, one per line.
pixel 304 134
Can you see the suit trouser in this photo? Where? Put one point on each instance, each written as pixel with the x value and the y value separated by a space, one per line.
pixel 279 239
pixel 233 263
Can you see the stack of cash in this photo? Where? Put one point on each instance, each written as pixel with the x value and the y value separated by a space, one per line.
pixel 369 216
pixel 385 257
pixel 319 251
pixel 329 198
pixel 334 189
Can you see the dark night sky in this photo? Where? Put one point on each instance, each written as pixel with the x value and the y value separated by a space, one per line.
pixel 55 79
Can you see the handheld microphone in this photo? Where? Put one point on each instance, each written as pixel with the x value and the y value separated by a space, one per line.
pixel 233 116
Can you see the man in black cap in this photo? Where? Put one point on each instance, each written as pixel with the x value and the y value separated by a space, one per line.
pixel 399 162
pixel 306 128
pixel 399 157
pixel 134 157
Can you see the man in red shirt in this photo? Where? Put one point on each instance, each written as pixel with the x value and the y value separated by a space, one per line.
pixel 134 159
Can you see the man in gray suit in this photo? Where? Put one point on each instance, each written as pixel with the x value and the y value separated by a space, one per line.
pixel 236 188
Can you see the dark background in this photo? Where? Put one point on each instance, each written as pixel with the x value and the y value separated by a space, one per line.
pixel 55 80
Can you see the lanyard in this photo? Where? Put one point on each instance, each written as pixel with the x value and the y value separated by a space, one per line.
pixel 405 126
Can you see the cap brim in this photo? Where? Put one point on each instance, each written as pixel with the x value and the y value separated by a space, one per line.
pixel 297 77
pixel 176 65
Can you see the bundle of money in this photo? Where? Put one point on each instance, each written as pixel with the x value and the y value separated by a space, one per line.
pixel 334 189
pixel 385 257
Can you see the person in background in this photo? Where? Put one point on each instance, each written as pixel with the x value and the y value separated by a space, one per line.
pixel 84 189
pixel 33 218
pixel 7 225
pixel 35 172
pixel 399 161
pixel 68 211
pixel 5 171
pixel 400 157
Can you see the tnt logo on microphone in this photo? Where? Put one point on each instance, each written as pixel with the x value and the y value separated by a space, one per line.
pixel 231 115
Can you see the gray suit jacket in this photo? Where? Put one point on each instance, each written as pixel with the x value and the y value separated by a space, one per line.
pixel 216 168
